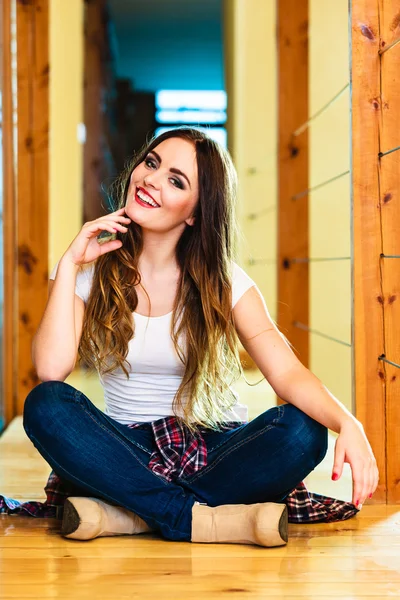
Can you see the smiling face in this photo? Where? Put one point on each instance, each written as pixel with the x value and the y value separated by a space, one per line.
pixel 163 190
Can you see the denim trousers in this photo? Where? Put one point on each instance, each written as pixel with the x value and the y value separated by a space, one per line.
pixel 260 461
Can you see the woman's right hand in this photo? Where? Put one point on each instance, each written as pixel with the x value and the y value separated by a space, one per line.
pixel 85 248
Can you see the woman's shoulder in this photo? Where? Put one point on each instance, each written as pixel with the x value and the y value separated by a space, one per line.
pixel 241 282
pixel 238 273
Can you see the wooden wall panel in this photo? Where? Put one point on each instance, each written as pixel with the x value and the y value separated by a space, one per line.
pixel 293 284
pixel 390 211
pixel 32 182
pixel 367 294
pixel 391 286
pixel 9 347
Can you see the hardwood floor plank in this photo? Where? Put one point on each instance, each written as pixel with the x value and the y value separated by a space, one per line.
pixel 54 540
pixel 158 549
pixel 174 573
pixel 193 588
pixel 350 567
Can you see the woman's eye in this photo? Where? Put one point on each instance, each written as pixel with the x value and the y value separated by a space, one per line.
pixel 177 183
pixel 149 162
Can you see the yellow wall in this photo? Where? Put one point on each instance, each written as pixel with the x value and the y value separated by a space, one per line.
pixel 330 222
pixel 66 112
pixel 251 67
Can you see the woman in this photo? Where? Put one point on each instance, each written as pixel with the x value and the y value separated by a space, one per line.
pixel 158 311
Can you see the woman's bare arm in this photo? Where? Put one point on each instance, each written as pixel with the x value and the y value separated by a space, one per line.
pixel 56 342
pixel 291 380
pixel 296 384
pixel 55 345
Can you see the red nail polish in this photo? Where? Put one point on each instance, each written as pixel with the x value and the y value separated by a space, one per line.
pixel 370 496
pixel 335 477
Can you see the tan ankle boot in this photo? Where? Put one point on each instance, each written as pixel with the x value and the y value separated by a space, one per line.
pixel 263 524
pixel 88 518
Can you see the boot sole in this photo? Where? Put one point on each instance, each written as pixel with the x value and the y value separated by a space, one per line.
pixel 283 525
pixel 71 519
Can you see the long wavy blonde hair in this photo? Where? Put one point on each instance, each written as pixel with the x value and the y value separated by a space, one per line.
pixel 202 312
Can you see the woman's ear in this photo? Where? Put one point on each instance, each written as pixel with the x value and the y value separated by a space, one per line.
pixel 190 221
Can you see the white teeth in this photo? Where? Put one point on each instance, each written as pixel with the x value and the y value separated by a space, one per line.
pixel 146 199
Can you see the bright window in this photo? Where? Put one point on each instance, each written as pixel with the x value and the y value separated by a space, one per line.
pixel 203 109
pixel 186 99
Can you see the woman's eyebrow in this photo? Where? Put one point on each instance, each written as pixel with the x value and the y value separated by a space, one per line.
pixel 173 170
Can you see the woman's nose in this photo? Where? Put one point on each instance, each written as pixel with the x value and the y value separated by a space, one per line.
pixel 152 180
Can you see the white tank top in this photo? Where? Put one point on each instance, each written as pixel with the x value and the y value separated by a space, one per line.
pixel 155 369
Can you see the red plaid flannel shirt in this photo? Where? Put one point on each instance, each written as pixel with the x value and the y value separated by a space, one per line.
pixel 178 453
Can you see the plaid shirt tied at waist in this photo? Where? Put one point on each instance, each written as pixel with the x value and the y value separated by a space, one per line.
pixel 179 452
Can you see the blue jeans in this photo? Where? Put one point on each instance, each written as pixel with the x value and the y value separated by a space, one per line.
pixel 261 461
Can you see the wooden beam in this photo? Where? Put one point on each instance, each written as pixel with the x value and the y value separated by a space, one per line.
pixel 93 87
pixel 368 295
pixel 32 181
pixel 293 279
pixel 9 348
pixel 102 146
pixel 389 201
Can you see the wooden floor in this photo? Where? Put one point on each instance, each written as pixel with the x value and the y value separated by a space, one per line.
pixel 359 558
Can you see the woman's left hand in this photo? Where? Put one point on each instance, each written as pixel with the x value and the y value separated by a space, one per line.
pixel 353 447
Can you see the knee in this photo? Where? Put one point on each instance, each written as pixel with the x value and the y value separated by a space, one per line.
pixel 311 435
pixel 41 403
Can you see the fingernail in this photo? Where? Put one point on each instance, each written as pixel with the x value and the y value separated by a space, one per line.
pixel 335 477
pixel 370 496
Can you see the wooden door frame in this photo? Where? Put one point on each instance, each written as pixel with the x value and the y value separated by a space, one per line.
pixel 376 218
pixel 389 202
pixel 9 220
pixel 367 299
pixel 32 182
pixel 26 196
